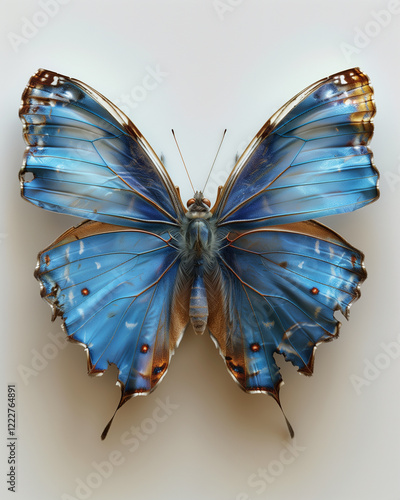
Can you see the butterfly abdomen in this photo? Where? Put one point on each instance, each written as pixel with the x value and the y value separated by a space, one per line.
pixel 198 308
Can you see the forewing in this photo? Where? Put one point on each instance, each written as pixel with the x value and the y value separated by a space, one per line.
pixel 282 285
pixel 88 159
pixel 115 290
pixel 310 159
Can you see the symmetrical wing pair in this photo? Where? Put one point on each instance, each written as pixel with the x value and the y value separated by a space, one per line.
pixel 255 269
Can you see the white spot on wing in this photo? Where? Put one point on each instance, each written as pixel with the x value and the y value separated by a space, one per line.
pixel 98 265
pixel 66 274
pixel 81 247
pixel 317 250
pixel 130 326
pixel 270 324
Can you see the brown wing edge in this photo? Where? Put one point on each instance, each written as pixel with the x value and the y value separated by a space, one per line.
pixel 42 74
pixel 268 127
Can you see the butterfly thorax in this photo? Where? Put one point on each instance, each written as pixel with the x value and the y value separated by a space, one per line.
pixel 199 242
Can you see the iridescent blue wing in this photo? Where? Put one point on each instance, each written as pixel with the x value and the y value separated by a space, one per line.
pixel 310 159
pixel 114 288
pixel 283 276
pixel 113 285
pixel 86 158
pixel 281 286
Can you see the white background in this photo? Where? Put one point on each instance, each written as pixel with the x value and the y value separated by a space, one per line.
pixel 229 65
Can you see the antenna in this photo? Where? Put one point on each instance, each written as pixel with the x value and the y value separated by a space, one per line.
pixel 183 161
pixel 212 166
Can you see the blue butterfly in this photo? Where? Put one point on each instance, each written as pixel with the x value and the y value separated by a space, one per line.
pixel 255 269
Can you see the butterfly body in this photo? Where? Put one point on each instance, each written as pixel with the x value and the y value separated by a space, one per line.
pixel 255 269
pixel 198 256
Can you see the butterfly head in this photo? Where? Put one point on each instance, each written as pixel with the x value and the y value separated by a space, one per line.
pixel 198 206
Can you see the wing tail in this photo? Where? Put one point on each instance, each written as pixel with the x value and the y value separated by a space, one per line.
pixel 115 290
pixel 282 286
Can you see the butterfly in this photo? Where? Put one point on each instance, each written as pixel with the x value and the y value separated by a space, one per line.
pixel 255 269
